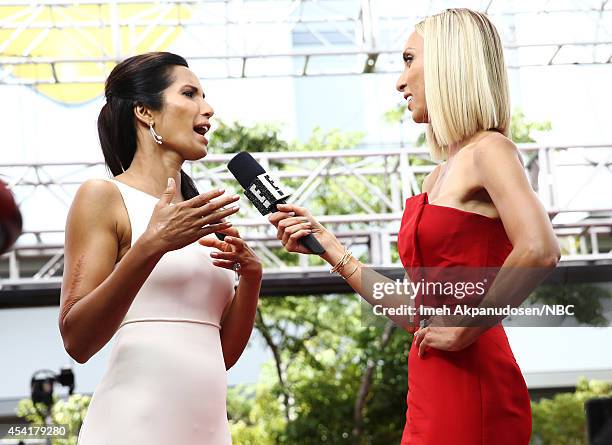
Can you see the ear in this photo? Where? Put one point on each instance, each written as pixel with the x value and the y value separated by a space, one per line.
pixel 143 114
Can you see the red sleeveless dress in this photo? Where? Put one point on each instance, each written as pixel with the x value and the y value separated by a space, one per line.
pixel 476 396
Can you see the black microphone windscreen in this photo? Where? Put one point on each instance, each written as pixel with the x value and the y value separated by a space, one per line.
pixel 245 168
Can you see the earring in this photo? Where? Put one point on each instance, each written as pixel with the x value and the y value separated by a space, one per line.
pixel 157 138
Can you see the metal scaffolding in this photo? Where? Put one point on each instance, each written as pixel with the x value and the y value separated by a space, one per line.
pixel 366 220
pixel 61 42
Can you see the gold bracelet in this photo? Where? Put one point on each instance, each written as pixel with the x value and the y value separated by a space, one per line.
pixel 351 274
pixel 343 261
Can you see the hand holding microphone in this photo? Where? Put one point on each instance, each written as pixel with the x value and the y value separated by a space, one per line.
pixel 265 194
pixel 294 223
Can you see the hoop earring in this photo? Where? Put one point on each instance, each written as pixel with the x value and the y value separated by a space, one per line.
pixel 157 138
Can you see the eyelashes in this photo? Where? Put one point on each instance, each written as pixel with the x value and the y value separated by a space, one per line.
pixel 192 94
pixel 407 59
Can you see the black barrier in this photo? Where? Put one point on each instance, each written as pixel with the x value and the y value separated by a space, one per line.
pixel 599 420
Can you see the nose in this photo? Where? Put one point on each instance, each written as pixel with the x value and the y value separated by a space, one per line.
pixel 207 110
pixel 401 83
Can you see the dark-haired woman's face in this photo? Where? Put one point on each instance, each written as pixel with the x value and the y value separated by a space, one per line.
pixel 184 118
pixel 412 81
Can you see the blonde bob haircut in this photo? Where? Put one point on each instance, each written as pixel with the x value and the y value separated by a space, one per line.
pixel 466 83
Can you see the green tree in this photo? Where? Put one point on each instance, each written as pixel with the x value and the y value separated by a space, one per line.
pixel 521 129
pixel 334 379
pixel 235 137
pixel 70 412
pixel 561 420
pixel 586 299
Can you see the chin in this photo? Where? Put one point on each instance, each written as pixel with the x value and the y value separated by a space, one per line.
pixel 196 153
pixel 201 153
pixel 419 117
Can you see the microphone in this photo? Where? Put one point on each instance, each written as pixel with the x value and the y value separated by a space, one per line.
pixel 264 192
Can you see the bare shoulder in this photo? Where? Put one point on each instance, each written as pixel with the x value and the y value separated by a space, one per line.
pixel 91 240
pixel 100 188
pixel 494 147
pixel 95 206
pixel 430 179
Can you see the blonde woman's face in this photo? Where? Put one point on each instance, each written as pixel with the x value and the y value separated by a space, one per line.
pixel 412 81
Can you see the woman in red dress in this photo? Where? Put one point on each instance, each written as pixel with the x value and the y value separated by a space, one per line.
pixel 477 210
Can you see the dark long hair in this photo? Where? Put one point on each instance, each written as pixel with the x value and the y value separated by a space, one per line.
pixel 138 80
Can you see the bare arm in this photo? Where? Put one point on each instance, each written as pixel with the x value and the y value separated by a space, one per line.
pixel 368 283
pixel 95 295
pixel 500 171
pixel 239 316
pixel 237 325
pixel 535 248
pixel 535 252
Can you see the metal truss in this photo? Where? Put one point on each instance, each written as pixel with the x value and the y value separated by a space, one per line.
pixel 242 39
pixel 369 189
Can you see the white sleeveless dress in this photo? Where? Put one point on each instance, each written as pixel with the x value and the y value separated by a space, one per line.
pixel 166 381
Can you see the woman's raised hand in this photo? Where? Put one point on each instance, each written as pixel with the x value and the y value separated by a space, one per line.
pixel 173 226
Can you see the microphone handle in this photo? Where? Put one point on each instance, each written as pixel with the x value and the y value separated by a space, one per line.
pixel 309 241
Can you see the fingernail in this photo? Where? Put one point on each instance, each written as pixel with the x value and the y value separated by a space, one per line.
pixel 291 213
pixel 169 181
pixel 228 238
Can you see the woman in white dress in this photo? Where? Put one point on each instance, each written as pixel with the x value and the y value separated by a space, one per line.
pixel 142 264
